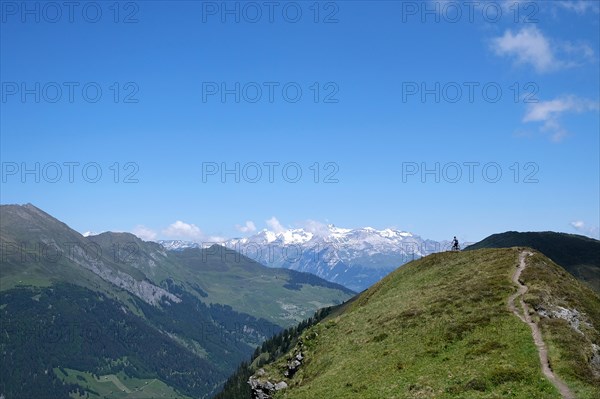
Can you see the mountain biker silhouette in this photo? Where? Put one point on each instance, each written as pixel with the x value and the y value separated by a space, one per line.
pixel 455 246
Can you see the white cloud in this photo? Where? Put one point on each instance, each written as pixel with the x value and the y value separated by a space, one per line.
pixel 579 6
pixel 528 46
pixel 316 227
pixel 582 51
pixel 144 233
pixel 246 228
pixel 578 224
pixel 582 227
pixel 213 239
pixel 545 110
pixel 549 113
pixel 182 230
pixel 275 226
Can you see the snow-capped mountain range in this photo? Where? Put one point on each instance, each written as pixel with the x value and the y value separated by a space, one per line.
pixel 355 258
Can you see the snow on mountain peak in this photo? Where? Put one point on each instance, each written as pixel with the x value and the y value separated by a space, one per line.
pixel 302 236
pixel 177 245
pixel 356 257
pixel 296 236
pixel 341 236
pixel 338 230
pixel 269 236
pixel 390 233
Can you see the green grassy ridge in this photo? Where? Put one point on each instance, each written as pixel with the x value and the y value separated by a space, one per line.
pixel 437 327
pixel 570 351
pixel 25 232
pixel 579 255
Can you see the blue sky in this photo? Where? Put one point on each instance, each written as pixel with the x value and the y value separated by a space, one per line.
pixel 162 97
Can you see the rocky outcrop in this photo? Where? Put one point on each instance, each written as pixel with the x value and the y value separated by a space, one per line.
pixel 262 388
pixel 572 316
pixel 294 363
pixel 143 289
pixel 595 361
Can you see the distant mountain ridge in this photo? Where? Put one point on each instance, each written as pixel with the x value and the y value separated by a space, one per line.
pixel 355 258
pixel 178 245
pixel 114 305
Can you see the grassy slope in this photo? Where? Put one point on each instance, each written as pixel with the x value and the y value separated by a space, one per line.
pixel 578 254
pixel 438 327
pixel 38 250
pixel 258 290
pixel 551 286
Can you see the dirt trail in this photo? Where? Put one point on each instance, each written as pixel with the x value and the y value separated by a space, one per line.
pixel 523 314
